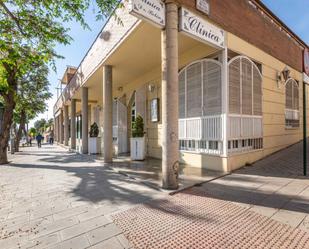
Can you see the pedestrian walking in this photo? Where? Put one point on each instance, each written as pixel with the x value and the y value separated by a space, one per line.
pixel 51 137
pixel 39 139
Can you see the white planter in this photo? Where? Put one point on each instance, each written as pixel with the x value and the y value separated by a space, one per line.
pixel 137 145
pixel 94 145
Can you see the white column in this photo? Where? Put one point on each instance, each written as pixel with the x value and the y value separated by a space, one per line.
pixel 84 120
pixel 108 113
pixel 170 144
pixel 66 125
pixel 73 124
pixel 61 127
pixel 225 101
pixel 55 129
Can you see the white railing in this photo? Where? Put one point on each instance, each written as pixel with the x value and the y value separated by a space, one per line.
pixel 202 134
pixel 201 128
pixel 244 133
pixel 244 126
pixel 115 132
pixel 291 114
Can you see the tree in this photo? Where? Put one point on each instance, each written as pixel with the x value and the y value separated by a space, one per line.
pixel 31 98
pixel 40 125
pixel 29 31
pixel 32 132
pixel 50 123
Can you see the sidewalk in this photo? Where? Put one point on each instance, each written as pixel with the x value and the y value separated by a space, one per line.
pixel 50 198
pixel 261 206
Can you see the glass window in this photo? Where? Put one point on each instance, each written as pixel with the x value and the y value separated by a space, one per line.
pixel 291 104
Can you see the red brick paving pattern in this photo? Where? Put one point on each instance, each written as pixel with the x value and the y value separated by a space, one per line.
pixel 191 220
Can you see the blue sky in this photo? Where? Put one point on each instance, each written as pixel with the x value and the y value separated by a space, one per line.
pixel 294 13
pixel 73 53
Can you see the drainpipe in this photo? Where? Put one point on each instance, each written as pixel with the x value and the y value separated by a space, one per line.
pixel 304 130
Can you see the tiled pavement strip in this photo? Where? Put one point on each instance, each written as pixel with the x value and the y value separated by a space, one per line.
pixel 53 199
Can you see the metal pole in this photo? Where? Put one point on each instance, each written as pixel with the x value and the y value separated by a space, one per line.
pixel 304 130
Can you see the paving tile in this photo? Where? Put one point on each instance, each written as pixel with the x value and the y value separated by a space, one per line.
pixel 304 225
pixel 266 211
pixel 79 242
pixel 70 212
pixel 111 243
pixel 289 217
pixel 123 241
pixel 103 233
pixel 83 227
pixel 44 241
pixel 96 212
pixel 53 227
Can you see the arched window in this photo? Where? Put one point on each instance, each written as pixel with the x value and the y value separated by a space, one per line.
pixel 291 103
pixel 245 87
pixel 245 124
pixel 200 89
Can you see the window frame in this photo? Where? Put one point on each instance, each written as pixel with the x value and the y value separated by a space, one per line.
pixel 184 70
pixel 253 66
pixel 293 123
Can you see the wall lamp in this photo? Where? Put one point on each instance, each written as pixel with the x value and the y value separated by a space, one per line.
pixel 151 87
pixel 283 76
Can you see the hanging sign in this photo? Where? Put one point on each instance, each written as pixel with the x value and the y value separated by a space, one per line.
pixel 203 6
pixel 198 28
pixel 151 10
pixel 306 61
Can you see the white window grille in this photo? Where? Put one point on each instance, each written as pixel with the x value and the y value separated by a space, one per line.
pixel 200 118
pixel 115 123
pixel 245 124
pixel 291 104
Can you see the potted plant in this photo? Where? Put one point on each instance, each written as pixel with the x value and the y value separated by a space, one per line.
pixel 94 140
pixel 137 142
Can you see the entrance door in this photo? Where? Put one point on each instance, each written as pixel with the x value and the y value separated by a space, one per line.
pixel 122 128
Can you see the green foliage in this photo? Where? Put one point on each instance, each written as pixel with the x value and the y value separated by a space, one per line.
pixel 32 93
pixel 138 127
pixel 94 130
pixel 50 122
pixel 32 131
pixel 40 125
pixel 29 32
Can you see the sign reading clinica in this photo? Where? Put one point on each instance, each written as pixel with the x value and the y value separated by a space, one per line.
pixel 198 28
pixel 151 10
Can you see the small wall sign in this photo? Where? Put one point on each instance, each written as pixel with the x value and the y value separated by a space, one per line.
pixel 306 78
pixel 150 10
pixel 306 61
pixel 203 6
pixel 154 110
pixel 200 29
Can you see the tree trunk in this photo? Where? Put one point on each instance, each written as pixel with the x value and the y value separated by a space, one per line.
pixel 21 128
pixel 9 105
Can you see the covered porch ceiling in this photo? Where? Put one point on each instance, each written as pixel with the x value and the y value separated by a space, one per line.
pixel 140 53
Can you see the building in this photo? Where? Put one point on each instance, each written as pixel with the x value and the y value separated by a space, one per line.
pixel 218 84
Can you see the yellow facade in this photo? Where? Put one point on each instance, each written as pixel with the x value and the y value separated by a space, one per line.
pixel 136 61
